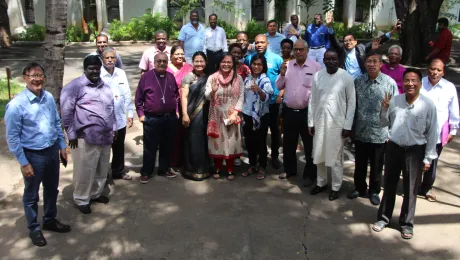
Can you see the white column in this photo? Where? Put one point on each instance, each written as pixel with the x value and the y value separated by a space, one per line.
pixel 269 10
pixel 160 6
pixel 349 12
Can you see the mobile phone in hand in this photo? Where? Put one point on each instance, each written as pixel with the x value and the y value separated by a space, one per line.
pixel 63 160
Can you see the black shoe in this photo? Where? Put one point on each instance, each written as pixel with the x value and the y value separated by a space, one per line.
pixel 374 199
pixel 101 199
pixel 317 189
pixel 85 209
pixel 57 226
pixel 355 194
pixel 276 163
pixel 333 195
pixel 37 238
pixel 308 182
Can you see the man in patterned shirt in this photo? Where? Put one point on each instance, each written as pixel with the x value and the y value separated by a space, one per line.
pixel 369 136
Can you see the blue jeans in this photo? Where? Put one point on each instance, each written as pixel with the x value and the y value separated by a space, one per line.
pixel 45 164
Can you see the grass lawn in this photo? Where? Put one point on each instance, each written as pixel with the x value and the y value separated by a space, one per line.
pixel 15 89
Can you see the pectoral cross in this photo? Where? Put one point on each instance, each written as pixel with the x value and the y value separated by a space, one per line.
pixel 163 98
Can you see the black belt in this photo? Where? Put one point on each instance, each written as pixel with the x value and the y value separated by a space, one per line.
pixel 286 108
pixel 160 114
pixel 405 148
pixel 214 52
pixel 317 47
pixel 38 151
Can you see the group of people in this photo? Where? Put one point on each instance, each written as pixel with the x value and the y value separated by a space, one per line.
pixel 201 99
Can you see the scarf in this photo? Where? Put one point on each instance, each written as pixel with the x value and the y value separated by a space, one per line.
pixel 231 92
pixel 256 102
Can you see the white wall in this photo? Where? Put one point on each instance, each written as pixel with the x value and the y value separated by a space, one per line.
pixel 239 22
pixel 16 16
pixel 136 8
pixel 385 14
pixel 74 13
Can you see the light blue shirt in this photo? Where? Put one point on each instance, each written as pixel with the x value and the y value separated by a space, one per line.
pixel 123 102
pixel 32 122
pixel 193 39
pixel 274 43
pixel 352 65
pixel 264 83
pixel 274 64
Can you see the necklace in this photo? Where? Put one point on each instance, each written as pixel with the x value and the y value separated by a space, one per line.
pixel 163 90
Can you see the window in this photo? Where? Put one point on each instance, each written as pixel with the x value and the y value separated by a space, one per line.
pixel 113 10
pixel 30 15
pixel 258 10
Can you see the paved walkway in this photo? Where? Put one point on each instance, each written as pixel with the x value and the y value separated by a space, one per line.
pixel 243 219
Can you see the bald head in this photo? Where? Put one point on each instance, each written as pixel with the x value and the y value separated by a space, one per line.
pixel 261 43
pixel 435 71
pixel 161 62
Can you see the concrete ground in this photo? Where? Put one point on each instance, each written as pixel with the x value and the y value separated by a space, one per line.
pixel 217 219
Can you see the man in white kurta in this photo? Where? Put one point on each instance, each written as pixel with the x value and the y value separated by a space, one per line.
pixel 330 119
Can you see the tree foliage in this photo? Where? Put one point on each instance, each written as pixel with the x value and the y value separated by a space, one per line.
pixel 185 6
pixel 307 5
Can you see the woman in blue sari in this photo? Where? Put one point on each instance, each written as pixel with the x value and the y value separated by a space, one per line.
pixel 195 109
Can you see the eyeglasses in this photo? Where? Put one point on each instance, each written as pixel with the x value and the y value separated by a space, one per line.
pixel 413 81
pixel 37 76
pixel 161 61
pixel 299 49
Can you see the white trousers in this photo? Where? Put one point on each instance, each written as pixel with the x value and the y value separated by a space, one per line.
pixel 317 55
pixel 336 174
pixel 91 165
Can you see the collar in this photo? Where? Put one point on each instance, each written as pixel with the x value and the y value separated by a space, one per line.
pixel 305 63
pixel 350 52
pixel 274 36
pixel 31 96
pixel 86 82
pixel 439 84
pixel 158 50
pixel 378 79
pixel 199 26
pixel 105 73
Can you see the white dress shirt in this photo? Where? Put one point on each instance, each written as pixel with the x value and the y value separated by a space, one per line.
pixel 411 125
pixel 215 39
pixel 118 83
pixel 444 96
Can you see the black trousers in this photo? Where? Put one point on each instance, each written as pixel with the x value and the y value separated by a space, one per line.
pixel 118 154
pixel 256 140
pixel 409 160
pixel 430 175
pixel 363 153
pixel 159 132
pixel 274 110
pixel 214 58
pixel 295 123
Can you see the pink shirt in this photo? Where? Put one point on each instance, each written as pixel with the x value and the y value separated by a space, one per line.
pixel 148 56
pixel 297 83
pixel 396 74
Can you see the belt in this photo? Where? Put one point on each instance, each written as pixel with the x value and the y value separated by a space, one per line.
pixel 317 47
pixel 405 148
pixel 38 151
pixel 285 107
pixel 160 114
pixel 219 51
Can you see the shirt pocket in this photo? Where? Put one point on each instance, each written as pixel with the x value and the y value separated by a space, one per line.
pixel 415 122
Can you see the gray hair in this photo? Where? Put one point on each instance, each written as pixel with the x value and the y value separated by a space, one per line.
pixel 305 43
pixel 107 50
pixel 161 32
pixel 395 47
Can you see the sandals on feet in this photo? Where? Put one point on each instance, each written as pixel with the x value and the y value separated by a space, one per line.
pixel 378 226
pixel 230 176
pixel 261 174
pixel 407 233
pixel 126 177
pixel 430 197
pixel 250 171
pixel 216 175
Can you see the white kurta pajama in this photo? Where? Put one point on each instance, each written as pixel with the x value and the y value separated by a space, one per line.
pixel 331 109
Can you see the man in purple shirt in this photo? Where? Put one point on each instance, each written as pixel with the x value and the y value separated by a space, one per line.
pixel 88 117
pixel 394 69
pixel 156 106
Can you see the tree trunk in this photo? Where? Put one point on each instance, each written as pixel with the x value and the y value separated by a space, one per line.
pixel 419 23
pixel 56 25
pixel 5 33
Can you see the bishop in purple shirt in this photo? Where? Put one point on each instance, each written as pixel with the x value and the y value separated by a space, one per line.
pixel 88 117
pixel 157 107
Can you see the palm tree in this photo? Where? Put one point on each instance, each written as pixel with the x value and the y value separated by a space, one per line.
pixel 56 25
pixel 5 33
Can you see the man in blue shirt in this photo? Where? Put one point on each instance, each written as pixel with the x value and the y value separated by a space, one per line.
pixel 317 37
pixel 35 137
pixel 274 64
pixel 191 37
pixel 274 38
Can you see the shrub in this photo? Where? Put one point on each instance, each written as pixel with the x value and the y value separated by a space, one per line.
pixel 254 28
pixel 229 29
pixel 118 31
pixel 4 99
pixel 75 34
pixel 34 33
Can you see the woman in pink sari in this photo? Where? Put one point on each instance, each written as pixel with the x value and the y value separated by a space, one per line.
pixel 179 68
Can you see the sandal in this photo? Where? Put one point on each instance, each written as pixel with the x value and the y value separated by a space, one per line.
pixel 230 176
pixel 261 174
pixel 250 171
pixel 216 175
pixel 126 177
pixel 407 233
pixel 430 197
pixel 378 226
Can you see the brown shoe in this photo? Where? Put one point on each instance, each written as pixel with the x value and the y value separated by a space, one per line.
pixel 168 174
pixel 144 179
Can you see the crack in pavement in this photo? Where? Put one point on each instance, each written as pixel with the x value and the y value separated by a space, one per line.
pixel 304 239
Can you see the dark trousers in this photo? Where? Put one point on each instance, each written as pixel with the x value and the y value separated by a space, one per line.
pixel 274 110
pixel 214 58
pixel 295 123
pixel 45 164
pixel 430 175
pixel 158 133
pixel 409 160
pixel 256 140
pixel 118 154
pixel 363 153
